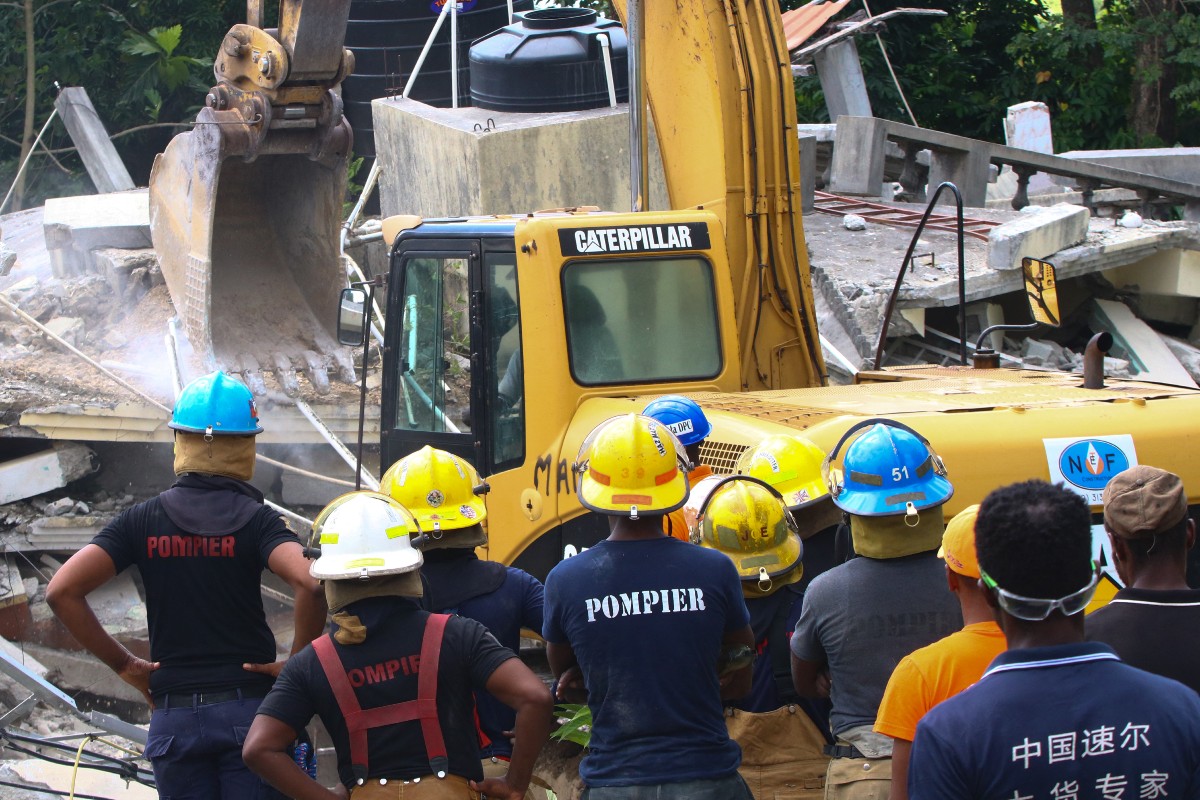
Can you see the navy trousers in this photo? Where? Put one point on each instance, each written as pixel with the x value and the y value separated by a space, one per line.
pixel 196 752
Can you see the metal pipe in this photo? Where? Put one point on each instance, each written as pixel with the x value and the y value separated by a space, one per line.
pixel 437 26
pixel 1093 360
pixel 510 12
pixel 605 50
pixel 639 178
pixel 334 442
pixel 453 52
pixel 368 187
pixel 28 156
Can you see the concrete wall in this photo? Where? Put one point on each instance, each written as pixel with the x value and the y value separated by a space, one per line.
pixel 447 162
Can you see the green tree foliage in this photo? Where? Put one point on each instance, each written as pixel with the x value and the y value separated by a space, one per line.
pixel 960 73
pixel 141 61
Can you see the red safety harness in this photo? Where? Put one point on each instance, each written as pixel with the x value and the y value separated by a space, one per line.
pixel 424 708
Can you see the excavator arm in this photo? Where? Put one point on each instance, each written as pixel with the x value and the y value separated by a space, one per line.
pixel 244 208
pixel 719 86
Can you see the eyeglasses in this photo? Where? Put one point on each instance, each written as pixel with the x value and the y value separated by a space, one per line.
pixel 1036 609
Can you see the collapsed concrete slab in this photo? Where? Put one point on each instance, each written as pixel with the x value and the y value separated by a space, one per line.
pixel 35 474
pixel 74 226
pixel 1143 346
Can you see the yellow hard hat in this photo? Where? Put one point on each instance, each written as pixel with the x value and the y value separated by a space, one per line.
pixel 439 488
pixel 362 535
pixel 791 464
pixel 747 520
pixel 632 465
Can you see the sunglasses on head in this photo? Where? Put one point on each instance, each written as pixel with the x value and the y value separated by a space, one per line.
pixel 1036 609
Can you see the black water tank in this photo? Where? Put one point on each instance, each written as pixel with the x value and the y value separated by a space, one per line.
pixel 548 60
pixel 387 36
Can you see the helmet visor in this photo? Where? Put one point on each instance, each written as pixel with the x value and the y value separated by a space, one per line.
pixel 1036 609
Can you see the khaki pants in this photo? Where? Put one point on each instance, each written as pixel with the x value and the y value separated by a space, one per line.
pixel 782 753
pixel 858 779
pixel 452 787
pixel 495 768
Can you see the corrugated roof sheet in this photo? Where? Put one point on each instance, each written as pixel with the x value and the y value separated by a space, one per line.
pixel 800 24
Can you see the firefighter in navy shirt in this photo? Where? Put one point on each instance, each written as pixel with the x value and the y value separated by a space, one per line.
pixel 782 736
pixel 651 623
pixel 1053 716
pixel 393 685
pixel 444 493
pixel 201 547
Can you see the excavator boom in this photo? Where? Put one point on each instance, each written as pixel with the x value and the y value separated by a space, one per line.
pixel 731 147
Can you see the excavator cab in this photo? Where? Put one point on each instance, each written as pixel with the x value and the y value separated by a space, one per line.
pixel 245 207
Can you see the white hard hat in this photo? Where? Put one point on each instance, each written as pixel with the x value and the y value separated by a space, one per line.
pixel 362 535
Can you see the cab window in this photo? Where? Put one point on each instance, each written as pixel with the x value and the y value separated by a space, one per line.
pixel 505 378
pixel 615 309
pixel 435 361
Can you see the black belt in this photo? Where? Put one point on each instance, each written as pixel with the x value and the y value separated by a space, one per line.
pixel 843 751
pixel 181 699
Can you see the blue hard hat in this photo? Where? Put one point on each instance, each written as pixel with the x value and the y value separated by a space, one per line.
pixel 890 469
pixel 683 417
pixel 216 404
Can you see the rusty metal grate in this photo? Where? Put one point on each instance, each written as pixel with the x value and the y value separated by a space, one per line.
pixel 721 457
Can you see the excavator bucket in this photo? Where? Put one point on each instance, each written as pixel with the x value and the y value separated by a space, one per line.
pixel 245 211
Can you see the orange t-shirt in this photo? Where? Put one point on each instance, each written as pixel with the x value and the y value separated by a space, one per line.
pixel 934 673
pixel 677 523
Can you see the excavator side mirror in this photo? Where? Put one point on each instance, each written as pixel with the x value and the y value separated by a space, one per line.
pixel 352 317
pixel 1041 290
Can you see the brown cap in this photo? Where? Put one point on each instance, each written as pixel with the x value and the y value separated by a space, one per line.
pixel 1143 501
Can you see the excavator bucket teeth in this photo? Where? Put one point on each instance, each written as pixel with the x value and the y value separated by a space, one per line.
pixel 249 246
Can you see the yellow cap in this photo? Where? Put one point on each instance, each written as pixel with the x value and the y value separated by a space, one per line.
pixel 958 543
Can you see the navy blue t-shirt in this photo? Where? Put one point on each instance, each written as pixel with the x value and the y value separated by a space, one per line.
pixel 504 612
pixel 646 620
pixel 1052 723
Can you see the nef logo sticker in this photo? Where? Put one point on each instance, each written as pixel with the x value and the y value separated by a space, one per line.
pixel 1085 466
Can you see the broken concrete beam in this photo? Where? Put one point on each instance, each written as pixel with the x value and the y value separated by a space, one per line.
pixel 840 72
pixel 1177 163
pixel 1146 350
pixel 95 148
pixel 1037 234
pixel 74 226
pixel 64 534
pixel 42 472
pixel 1188 356
pixel 130 273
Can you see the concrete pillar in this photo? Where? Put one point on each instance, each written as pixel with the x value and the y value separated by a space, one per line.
pixel 857 166
pixel 968 170
pixel 808 173
pixel 841 75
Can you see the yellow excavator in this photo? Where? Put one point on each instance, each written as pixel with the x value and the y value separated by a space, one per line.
pixel 508 338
